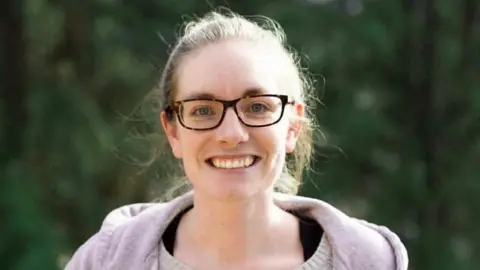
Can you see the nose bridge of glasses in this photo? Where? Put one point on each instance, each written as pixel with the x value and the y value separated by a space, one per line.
pixel 231 119
pixel 230 104
pixel 227 104
pixel 230 115
pixel 230 129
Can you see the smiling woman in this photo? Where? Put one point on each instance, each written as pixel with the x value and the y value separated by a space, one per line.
pixel 234 105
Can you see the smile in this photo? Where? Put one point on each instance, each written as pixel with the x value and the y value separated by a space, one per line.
pixel 232 163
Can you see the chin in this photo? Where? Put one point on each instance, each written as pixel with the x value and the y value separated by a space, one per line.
pixel 231 187
pixel 235 193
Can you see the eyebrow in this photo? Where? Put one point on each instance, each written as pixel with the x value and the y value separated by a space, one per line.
pixel 205 95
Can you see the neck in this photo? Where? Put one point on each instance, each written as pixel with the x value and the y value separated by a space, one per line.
pixel 235 231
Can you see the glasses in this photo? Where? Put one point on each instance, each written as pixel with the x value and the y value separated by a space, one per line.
pixel 208 113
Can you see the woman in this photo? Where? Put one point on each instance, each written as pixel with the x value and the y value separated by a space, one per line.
pixel 234 106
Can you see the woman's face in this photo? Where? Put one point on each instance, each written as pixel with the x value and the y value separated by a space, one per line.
pixel 232 161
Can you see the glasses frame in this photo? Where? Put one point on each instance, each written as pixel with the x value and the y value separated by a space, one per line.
pixel 175 107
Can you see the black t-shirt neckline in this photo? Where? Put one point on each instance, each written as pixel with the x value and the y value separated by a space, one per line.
pixel 310 234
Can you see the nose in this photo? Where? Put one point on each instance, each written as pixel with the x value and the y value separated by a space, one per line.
pixel 231 132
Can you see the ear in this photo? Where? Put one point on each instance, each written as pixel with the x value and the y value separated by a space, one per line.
pixel 297 115
pixel 171 131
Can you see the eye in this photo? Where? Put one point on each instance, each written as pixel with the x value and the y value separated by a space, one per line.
pixel 202 111
pixel 257 107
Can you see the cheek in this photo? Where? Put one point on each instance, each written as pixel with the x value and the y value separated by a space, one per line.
pixel 191 143
pixel 272 139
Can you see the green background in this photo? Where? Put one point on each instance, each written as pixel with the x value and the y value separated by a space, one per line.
pixel 398 79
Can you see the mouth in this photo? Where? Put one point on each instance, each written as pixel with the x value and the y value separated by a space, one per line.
pixel 233 163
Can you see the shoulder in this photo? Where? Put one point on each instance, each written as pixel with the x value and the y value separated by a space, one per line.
pixel 372 246
pixel 93 253
pixel 127 236
pixel 355 243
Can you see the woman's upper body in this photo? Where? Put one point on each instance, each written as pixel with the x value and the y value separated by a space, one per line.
pixel 131 238
pixel 234 109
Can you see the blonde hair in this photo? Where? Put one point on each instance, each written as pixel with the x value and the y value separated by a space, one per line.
pixel 216 27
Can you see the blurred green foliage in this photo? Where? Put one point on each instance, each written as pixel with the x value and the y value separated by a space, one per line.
pixel 401 116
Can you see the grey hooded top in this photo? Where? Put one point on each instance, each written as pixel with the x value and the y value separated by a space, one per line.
pixel 130 238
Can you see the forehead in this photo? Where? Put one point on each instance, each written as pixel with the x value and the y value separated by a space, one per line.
pixel 227 70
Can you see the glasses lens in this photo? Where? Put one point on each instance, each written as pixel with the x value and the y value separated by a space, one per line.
pixel 201 114
pixel 261 110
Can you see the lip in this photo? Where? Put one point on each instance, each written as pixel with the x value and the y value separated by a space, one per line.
pixel 236 156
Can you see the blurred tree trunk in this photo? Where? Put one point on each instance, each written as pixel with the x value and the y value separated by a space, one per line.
pixel 75 48
pixel 13 121
pixel 467 34
pixel 429 218
pixel 76 44
pixel 13 84
pixel 417 57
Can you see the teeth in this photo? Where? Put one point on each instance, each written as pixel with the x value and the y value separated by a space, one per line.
pixel 233 163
